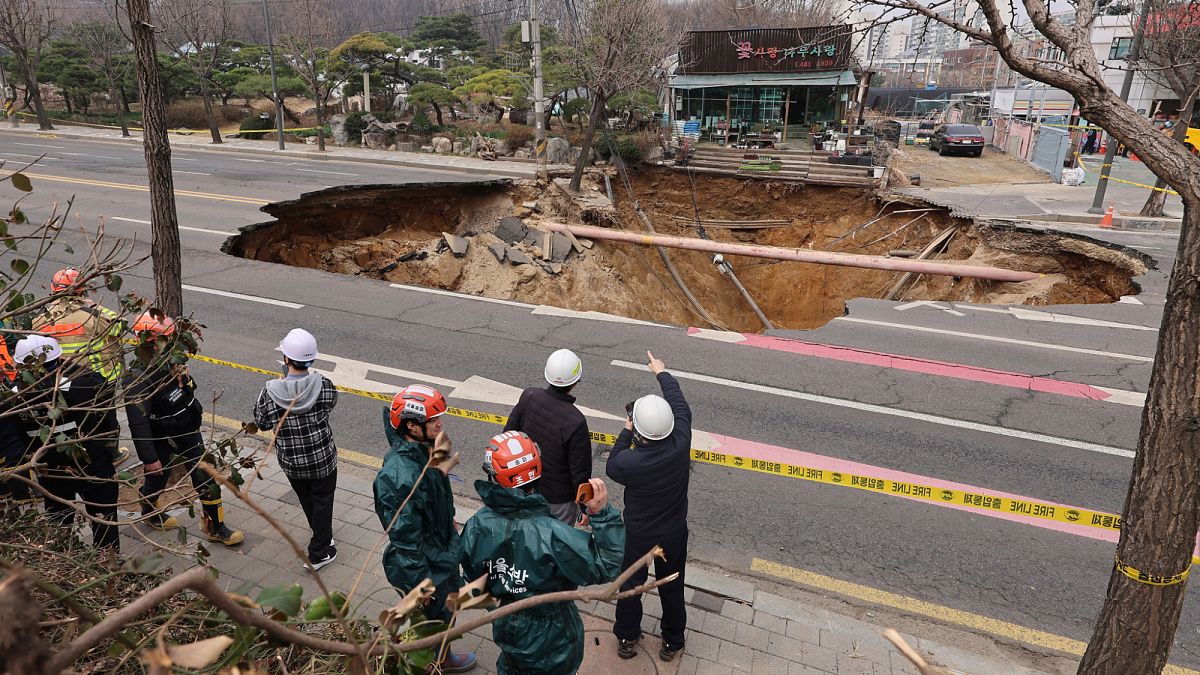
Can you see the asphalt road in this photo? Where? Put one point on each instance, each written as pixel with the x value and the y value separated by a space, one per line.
pixel 953 424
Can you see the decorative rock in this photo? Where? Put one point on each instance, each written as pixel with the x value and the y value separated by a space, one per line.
pixel 511 230
pixel 311 140
pixel 427 148
pixel 558 151
pixel 516 256
pixel 406 147
pixel 654 154
pixel 458 245
pixel 521 153
pixel 497 250
pixel 457 147
pixel 337 126
pixel 442 145
pixel 375 140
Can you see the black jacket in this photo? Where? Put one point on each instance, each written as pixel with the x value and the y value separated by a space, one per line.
pixel 78 391
pixel 561 432
pixel 655 475
pixel 160 408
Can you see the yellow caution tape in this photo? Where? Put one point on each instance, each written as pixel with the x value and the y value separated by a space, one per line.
pixel 1127 182
pixel 1151 579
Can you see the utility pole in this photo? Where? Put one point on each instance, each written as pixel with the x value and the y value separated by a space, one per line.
pixel 274 76
pixel 1110 151
pixel 539 98
pixel 366 88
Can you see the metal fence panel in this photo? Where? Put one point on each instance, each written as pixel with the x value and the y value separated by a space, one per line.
pixel 1049 151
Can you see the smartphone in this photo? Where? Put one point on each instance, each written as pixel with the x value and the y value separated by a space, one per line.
pixel 585 494
pixel 629 409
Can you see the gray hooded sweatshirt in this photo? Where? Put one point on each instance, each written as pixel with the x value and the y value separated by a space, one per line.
pixel 303 440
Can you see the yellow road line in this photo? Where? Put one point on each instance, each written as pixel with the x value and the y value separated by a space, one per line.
pixel 908 605
pixel 143 188
pixel 343 453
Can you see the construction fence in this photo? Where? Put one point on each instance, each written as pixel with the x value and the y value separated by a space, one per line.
pixel 1043 146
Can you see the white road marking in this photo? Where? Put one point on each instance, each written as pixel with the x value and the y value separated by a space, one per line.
pixel 718 335
pixel 465 296
pixel 1130 300
pixel 194 173
pixel 84 154
pixel 993 338
pixel 927 303
pixel 243 159
pixel 41 145
pixel 1124 397
pixel 223 233
pixel 894 412
pixel 1035 315
pixel 336 173
pixel 242 296
pixel 549 310
pixel 17 154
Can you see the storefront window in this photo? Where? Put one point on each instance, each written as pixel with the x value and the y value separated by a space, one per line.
pixel 770 104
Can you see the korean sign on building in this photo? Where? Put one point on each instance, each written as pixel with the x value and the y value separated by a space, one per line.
pixel 765 50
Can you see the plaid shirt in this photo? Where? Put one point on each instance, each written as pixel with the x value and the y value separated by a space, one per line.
pixel 304 442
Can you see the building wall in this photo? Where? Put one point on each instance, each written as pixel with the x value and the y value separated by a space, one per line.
pixel 1144 91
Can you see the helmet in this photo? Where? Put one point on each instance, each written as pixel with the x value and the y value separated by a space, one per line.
pixel 64 280
pixel 418 403
pixel 512 459
pixel 35 345
pixel 563 368
pixel 155 322
pixel 299 345
pixel 653 418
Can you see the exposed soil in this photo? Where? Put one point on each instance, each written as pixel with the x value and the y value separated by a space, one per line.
pixel 366 230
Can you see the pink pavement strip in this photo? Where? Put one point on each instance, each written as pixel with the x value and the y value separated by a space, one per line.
pixel 918 365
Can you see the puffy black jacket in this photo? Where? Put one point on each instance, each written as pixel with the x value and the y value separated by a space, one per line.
pixel 89 413
pixel 655 474
pixel 561 432
pixel 160 407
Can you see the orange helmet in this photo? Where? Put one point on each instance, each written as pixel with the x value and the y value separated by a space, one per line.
pixel 418 403
pixel 512 459
pixel 64 280
pixel 156 323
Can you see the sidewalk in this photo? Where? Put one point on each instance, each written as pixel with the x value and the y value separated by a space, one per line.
pixel 201 141
pixel 733 627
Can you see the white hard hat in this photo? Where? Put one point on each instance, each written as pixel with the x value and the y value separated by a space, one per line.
pixel 563 368
pixel 653 418
pixel 35 345
pixel 299 345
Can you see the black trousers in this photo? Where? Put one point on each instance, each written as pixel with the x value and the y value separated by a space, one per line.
pixel 101 496
pixel 674 613
pixel 189 448
pixel 316 498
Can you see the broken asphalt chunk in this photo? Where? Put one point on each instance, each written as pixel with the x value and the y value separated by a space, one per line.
pixel 516 256
pixel 560 247
pixel 511 230
pixel 497 250
pixel 458 245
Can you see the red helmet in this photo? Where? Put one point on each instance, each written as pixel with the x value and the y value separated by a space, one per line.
pixel 512 459
pixel 64 280
pixel 418 403
pixel 155 322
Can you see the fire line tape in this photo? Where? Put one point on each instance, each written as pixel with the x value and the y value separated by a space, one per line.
pixel 1127 182
pixel 929 493
pixel 1151 579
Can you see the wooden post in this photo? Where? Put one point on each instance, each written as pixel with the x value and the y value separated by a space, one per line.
pixel 728 122
pixel 787 109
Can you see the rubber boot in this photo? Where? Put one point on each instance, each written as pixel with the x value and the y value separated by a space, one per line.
pixel 156 518
pixel 212 521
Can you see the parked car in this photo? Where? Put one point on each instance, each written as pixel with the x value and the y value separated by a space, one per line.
pixel 924 132
pixel 964 139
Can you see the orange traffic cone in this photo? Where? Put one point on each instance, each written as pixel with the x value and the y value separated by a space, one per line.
pixel 1106 221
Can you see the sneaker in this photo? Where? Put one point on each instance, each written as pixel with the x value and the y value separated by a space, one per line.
pixel 120 455
pixel 161 521
pixel 668 653
pixel 329 557
pixel 458 663
pixel 221 532
pixel 627 649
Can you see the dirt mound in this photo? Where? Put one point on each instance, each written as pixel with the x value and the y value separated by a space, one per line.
pixel 394 232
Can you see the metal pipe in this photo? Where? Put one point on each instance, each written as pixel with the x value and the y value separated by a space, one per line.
pixel 727 269
pixel 798 255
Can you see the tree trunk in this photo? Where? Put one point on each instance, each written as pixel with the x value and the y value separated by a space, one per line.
pixel 209 114
pixel 119 104
pixel 437 112
pixel 164 222
pixel 320 124
pixel 1153 208
pixel 35 95
pixel 1163 490
pixel 586 151
pixel 287 113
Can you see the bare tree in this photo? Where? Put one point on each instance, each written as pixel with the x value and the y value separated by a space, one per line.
pixel 25 27
pixel 301 45
pixel 197 31
pixel 1137 625
pixel 1170 41
pixel 613 47
pixel 107 53
pixel 164 220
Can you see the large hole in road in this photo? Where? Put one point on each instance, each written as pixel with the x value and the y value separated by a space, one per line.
pixel 394 232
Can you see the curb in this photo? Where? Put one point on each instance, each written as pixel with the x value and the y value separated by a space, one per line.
pixel 313 155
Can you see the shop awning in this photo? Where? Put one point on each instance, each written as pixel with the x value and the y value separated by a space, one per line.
pixel 825 79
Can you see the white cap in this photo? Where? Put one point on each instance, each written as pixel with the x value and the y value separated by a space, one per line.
pixel 563 368
pixel 653 418
pixel 299 345
pixel 35 345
